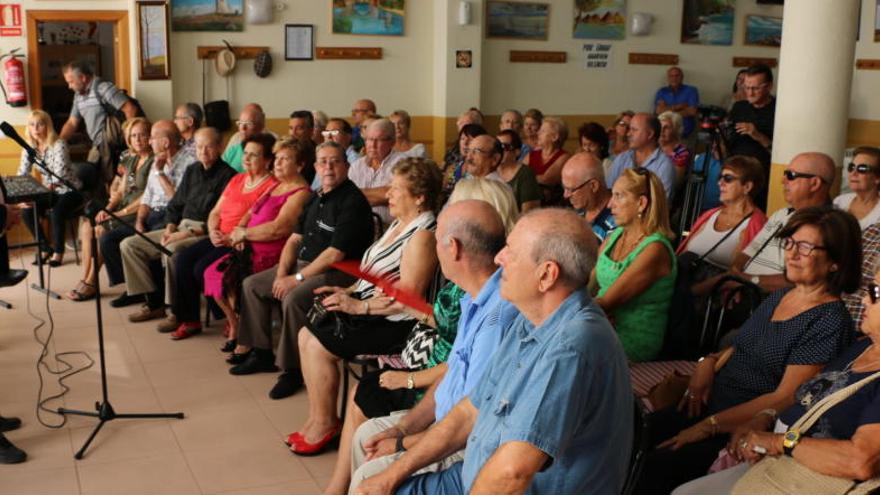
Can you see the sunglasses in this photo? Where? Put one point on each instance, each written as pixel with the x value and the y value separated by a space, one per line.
pixel 728 178
pixel 506 146
pixel 329 134
pixel 862 168
pixel 804 248
pixel 874 292
pixel 647 175
pixel 792 175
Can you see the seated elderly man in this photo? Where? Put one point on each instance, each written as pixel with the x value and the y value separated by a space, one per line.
pixel 251 121
pixel 362 111
pixel 185 217
pixel 583 185
pixel 645 152
pixel 167 171
pixel 372 172
pixel 188 119
pixel 483 157
pixel 470 233
pixel 533 423
pixel 336 225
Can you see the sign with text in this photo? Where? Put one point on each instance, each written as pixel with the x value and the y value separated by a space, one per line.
pixel 598 55
pixel 10 19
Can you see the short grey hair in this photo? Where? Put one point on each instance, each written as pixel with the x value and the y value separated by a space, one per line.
pixel 335 146
pixel 566 241
pixel 79 67
pixel 320 118
pixel 193 111
pixel 479 243
pixel 384 126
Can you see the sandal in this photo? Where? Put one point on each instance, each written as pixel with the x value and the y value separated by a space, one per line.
pixel 83 292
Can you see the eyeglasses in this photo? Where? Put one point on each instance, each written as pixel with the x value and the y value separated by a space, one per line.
pixel 181 117
pixel 507 146
pixel 862 168
pixel 244 123
pixel 755 88
pixel 477 151
pixel 792 175
pixel 572 190
pixel 355 111
pixel 647 175
pixel 330 134
pixel 329 161
pixel 621 123
pixel 804 248
pixel 728 178
pixel 873 292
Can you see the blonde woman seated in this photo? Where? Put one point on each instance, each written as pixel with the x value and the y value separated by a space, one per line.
pixel 402 142
pixel 125 197
pixel 636 268
pixel 864 182
pixel 670 142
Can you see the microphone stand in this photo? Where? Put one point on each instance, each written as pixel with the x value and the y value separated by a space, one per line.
pixel 103 410
pixel 41 287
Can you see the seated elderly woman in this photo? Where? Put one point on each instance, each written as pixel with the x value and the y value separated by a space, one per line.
pixel 864 182
pixel 718 234
pixel 617 133
pixel 381 393
pixel 594 139
pixel 547 160
pixel 520 178
pixel 125 198
pixel 259 236
pixel 359 320
pixel 63 201
pixel 843 443
pixel 402 142
pixel 190 264
pixel 453 168
pixel 670 142
pixel 788 339
pixel 636 268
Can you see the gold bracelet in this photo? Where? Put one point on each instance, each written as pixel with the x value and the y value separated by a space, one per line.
pixel 713 422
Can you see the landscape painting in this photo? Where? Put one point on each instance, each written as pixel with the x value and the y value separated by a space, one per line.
pixel 600 19
pixel 518 20
pixel 373 17
pixel 707 22
pixel 153 40
pixel 207 15
pixel 763 30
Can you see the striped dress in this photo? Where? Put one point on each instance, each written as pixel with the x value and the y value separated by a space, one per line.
pixel 382 259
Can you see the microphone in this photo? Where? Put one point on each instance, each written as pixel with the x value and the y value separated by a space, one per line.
pixel 11 133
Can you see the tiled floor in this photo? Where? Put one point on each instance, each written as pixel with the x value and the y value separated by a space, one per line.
pixel 230 441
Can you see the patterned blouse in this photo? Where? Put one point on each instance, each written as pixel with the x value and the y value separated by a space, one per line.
pixel 57 159
pixel 447 311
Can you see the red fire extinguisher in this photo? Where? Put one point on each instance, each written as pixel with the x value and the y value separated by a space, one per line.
pixel 14 89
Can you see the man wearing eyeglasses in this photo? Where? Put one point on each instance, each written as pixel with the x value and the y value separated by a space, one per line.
pixel 482 158
pixel 251 121
pixel 806 182
pixel 360 112
pixel 753 119
pixel 372 172
pixel 188 119
pixel 583 185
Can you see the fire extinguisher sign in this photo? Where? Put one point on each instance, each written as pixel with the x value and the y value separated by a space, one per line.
pixel 10 19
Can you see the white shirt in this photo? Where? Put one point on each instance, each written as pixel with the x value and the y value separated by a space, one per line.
pixel 366 178
pixel 707 237
pixel 845 200
pixel 771 259
pixel 154 194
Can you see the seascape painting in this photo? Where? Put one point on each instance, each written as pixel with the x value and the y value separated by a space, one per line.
pixel 707 22
pixel 600 19
pixel 763 30
pixel 517 20
pixel 372 17
pixel 207 15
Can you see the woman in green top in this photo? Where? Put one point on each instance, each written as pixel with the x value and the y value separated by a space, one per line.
pixel 636 268
pixel 125 197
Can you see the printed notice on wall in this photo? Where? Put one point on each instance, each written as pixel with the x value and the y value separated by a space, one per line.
pixel 598 55
pixel 10 19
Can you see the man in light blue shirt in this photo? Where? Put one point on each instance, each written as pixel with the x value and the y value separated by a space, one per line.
pixel 553 413
pixel 644 131
pixel 469 234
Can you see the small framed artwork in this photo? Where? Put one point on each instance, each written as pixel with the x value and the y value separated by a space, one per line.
pixel 763 30
pixel 154 60
pixel 463 59
pixel 517 20
pixel 299 42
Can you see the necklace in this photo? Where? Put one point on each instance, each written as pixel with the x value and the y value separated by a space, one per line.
pixel 249 186
pixel 624 248
pixel 831 378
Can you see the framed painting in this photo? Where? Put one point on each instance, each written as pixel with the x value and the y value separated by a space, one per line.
pixel 369 17
pixel 207 15
pixel 153 41
pixel 517 20
pixel 599 19
pixel 707 22
pixel 763 30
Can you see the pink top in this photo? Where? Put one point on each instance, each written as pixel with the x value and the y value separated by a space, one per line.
pixel 237 201
pixel 266 209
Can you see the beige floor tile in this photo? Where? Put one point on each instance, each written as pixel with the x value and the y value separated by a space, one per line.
pixel 219 469
pixel 126 439
pixel 321 466
pixel 41 482
pixel 188 371
pixel 150 476
pixel 230 429
pixel 46 448
pixel 300 487
pixel 204 396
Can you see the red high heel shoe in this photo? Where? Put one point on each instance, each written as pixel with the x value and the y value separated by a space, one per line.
pixel 303 448
pixel 293 438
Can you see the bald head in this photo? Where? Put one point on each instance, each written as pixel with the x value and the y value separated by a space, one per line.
pixel 561 236
pixel 583 182
pixel 166 131
pixel 816 163
pixel 478 229
pixel 584 166
pixel 814 175
pixel 209 134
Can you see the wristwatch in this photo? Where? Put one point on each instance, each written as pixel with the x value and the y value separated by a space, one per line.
pixel 410 382
pixel 790 441
pixel 400 447
pixel 755 280
pixel 299 277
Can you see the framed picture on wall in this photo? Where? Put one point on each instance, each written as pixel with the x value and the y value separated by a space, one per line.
pixel 299 41
pixel 600 20
pixel 153 56
pixel 707 22
pixel 763 30
pixel 373 17
pixel 517 20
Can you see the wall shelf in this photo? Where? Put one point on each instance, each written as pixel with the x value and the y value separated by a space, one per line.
pixel 750 61
pixel 241 52
pixel 347 53
pixel 653 58
pixel 868 64
pixel 535 56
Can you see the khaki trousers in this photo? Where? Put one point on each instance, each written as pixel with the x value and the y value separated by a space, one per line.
pixel 137 254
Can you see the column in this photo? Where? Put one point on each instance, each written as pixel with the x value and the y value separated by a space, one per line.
pixel 814 83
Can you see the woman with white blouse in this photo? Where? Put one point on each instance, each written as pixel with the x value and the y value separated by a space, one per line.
pixel 864 182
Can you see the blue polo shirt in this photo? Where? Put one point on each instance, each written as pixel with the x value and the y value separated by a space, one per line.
pixel 564 388
pixel 685 94
pixel 658 163
pixel 481 326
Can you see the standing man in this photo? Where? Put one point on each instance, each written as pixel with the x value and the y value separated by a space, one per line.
pixel 753 120
pixel 678 97
pixel 372 172
pixel 251 121
pixel 583 185
pixel 644 151
pixel 188 119
pixel 92 98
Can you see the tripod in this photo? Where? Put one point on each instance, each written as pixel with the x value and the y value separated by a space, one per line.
pixel 103 410
pixel 696 179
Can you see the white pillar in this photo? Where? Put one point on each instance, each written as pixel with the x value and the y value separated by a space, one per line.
pixel 814 83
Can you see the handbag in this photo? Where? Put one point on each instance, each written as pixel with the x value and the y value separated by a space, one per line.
pixel 419 346
pixel 783 475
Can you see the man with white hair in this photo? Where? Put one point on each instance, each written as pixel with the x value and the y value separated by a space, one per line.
pixel 372 172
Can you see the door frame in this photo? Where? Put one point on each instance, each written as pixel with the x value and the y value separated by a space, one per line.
pixel 121 57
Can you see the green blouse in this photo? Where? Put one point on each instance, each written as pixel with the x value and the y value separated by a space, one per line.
pixel 447 310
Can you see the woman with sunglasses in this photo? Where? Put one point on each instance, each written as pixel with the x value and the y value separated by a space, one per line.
pixel 864 182
pixel 636 268
pixel 719 233
pixel 786 341
pixel 617 133
pixel 520 178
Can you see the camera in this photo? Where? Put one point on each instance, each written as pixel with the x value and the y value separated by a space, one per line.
pixel 710 116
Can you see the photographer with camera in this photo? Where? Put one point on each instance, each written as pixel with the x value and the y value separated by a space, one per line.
pixel 752 121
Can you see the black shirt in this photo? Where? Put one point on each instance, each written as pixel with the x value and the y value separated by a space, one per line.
pixel 763 118
pixel 341 219
pixel 198 192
